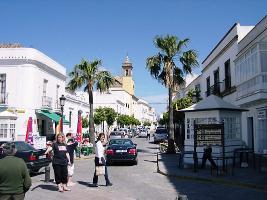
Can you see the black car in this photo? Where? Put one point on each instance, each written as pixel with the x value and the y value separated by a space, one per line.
pixel 34 158
pixel 121 150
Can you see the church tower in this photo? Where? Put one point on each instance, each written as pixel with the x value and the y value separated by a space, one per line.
pixel 127 79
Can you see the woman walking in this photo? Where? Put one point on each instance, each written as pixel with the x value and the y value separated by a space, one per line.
pixel 100 160
pixel 60 162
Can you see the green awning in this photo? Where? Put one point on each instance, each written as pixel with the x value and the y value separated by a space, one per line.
pixel 51 115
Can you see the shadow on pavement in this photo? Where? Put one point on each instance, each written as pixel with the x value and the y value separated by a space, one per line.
pixel 243 182
pixel 46 187
pixel 153 161
pixel 85 183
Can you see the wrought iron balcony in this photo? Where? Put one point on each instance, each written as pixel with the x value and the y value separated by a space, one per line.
pixel 46 102
pixel 214 89
pixel 3 98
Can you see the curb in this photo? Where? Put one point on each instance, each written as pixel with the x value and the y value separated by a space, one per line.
pixel 222 182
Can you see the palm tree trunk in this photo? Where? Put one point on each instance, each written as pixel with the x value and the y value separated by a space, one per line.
pixel 171 147
pixel 91 117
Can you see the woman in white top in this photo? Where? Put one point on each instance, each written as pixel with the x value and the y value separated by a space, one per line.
pixel 100 159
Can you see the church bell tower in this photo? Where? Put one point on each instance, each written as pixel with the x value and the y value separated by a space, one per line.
pixel 127 79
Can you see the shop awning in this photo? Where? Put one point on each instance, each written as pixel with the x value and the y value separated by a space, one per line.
pixel 52 115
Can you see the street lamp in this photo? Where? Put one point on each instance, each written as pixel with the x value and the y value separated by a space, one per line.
pixel 62 100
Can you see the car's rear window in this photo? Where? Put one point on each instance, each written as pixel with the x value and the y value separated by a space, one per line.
pixel 121 142
pixel 22 146
pixel 115 133
pixel 161 131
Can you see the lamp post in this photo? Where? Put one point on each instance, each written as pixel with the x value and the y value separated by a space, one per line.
pixel 62 100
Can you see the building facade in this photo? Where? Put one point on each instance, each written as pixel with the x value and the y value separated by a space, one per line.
pixel 235 71
pixel 31 84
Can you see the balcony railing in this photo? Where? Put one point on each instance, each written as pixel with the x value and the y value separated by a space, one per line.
pixel 46 102
pixel 214 89
pixel 3 98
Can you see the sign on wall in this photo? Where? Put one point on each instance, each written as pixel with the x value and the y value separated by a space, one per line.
pixel 262 114
pixel 209 134
pixel 39 142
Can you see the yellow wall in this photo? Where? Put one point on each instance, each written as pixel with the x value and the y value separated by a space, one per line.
pixel 128 84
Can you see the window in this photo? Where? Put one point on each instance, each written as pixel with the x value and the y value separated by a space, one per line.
pixel 227 72
pixel 45 87
pixel 232 128
pixel 208 86
pixel 12 129
pixel 70 119
pixel 247 66
pixel 197 87
pixel 2 88
pixel 3 130
pixel 57 98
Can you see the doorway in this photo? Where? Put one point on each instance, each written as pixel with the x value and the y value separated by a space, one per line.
pixel 250 128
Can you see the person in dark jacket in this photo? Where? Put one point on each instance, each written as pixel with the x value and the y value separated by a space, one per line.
pixel 207 155
pixel 15 180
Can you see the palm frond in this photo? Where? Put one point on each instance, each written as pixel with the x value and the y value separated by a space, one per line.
pixel 153 64
pixel 189 60
pixel 178 76
pixel 104 81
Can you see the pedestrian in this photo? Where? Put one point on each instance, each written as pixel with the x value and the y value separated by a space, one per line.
pixel 148 135
pixel 100 160
pixel 15 180
pixel 71 146
pixel 207 155
pixel 60 162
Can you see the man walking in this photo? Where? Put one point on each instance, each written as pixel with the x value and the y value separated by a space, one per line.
pixel 15 180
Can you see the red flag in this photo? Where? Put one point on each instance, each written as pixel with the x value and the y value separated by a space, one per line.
pixel 29 137
pixel 79 129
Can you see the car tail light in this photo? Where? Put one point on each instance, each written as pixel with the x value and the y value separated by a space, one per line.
pixel 109 152
pixel 32 157
pixel 132 151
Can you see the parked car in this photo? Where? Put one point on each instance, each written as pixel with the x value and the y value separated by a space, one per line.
pixel 34 158
pixel 143 133
pixel 160 135
pixel 115 135
pixel 121 150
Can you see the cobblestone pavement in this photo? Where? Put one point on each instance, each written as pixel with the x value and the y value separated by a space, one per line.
pixel 135 182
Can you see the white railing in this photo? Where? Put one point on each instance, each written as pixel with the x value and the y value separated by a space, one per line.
pixel 252 86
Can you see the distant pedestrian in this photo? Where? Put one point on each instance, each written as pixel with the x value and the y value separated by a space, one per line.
pixel 100 160
pixel 148 135
pixel 207 155
pixel 71 146
pixel 15 180
pixel 60 162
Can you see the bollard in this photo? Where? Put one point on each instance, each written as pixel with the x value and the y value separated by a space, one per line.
pixel 47 173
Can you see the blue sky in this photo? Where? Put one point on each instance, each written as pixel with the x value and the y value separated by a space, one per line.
pixel 68 30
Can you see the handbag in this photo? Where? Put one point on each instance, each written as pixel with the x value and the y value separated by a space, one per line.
pixel 100 170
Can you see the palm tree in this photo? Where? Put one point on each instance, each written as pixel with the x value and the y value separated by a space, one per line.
pixel 163 67
pixel 88 75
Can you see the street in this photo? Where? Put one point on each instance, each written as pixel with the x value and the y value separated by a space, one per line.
pixel 135 182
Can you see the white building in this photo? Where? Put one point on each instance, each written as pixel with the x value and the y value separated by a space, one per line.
pixel 31 84
pixel 235 71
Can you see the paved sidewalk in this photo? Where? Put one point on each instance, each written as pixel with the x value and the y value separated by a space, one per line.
pixel 241 177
